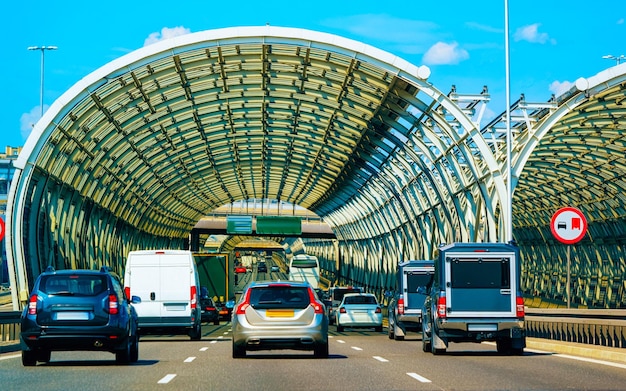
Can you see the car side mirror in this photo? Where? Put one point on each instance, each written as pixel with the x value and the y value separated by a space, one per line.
pixel 135 300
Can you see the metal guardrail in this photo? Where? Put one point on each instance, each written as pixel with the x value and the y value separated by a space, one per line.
pixel 10 326
pixel 592 327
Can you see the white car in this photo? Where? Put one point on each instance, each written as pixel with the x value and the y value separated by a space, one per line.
pixel 359 310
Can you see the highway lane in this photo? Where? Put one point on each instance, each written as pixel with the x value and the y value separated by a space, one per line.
pixel 359 360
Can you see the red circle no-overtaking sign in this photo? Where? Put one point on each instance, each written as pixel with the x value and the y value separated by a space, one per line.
pixel 568 225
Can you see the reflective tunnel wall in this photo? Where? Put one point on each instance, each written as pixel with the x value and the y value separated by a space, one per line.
pixel 65 230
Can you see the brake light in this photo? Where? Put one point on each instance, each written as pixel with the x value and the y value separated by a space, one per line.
pixel 342 310
pixel 127 292
pixel 194 297
pixel 401 305
pixel 519 307
pixel 378 310
pixel 245 303
pixel 113 305
pixel 32 305
pixel 441 307
pixel 317 306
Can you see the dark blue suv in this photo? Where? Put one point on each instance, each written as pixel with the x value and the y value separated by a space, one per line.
pixel 79 310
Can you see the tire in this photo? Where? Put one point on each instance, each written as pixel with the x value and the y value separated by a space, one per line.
pixel 425 342
pixel 134 349
pixel 339 328
pixel 503 346
pixel 434 350
pixel 123 356
pixel 390 332
pixel 196 333
pixel 321 350
pixel 216 322
pixel 239 351
pixel 29 358
pixel 378 329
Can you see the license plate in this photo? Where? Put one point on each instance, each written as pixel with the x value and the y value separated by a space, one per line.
pixel 279 313
pixel 72 315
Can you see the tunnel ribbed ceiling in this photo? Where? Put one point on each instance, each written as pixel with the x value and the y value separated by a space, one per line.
pixel 175 131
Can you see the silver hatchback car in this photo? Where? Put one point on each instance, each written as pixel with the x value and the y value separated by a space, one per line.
pixel 279 315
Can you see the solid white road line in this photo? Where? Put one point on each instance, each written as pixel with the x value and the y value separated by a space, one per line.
pixel 166 379
pixel 418 377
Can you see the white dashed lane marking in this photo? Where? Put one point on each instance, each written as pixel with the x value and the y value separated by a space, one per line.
pixel 166 379
pixel 204 349
pixel 418 377
pixel 380 359
pixel 356 348
pixel 189 359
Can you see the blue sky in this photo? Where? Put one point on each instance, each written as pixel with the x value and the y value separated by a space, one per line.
pixel 552 43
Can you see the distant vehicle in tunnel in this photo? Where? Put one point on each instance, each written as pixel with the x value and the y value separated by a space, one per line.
pixel 261 267
pixel 405 306
pixel 306 268
pixel 79 310
pixel 168 284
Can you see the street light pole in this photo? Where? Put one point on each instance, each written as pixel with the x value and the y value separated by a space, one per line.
pixel 618 59
pixel 42 49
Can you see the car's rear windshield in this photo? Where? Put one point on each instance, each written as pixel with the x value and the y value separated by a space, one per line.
pixel 339 293
pixel 279 297
pixel 73 284
pixel 416 280
pixel 359 300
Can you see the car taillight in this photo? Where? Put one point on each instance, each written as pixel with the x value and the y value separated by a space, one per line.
pixel 441 307
pixel 519 307
pixel 317 306
pixel 342 310
pixel 113 305
pixel 378 310
pixel 194 297
pixel 401 305
pixel 127 292
pixel 245 303
pixel 32 305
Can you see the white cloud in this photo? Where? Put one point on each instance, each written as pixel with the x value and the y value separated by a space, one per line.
pixel 531 34
pixel 28 120
pixel 166 33
pixel 558 88
pixel 445 53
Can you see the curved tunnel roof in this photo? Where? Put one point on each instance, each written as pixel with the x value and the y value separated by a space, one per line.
pixel 162 136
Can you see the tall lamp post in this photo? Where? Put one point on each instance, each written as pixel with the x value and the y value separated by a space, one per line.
pixel 43 50
pixel 618 59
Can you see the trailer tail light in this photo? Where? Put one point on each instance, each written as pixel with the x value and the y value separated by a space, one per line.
pixel 401 305
pixel 519 307
pixel 32 305
pixel 194 297
pixel 113 305
pixel 441 307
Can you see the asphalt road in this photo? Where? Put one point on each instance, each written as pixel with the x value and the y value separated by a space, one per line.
pixel 359 360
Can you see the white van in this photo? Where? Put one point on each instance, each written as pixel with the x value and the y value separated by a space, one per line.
pixel 168 284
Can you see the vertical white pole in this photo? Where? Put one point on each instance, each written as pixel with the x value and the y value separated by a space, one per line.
pixel 509 137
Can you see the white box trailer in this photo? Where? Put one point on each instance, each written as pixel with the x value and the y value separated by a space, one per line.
pixel 476 296
pixel 168 284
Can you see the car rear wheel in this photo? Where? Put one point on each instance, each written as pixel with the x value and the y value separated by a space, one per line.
pixel 43 355
pixel 239 351
pixel 378 329
pixel 196 333
pixel 134 349
pixel 321 350
pixel 29 358
pixel 390 333
pixel 339 328
pixel 123 356
pixel 216 322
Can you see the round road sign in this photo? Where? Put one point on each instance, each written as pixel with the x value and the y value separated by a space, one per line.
pixel 568 225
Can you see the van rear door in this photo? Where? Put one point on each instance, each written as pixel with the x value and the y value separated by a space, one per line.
pixel 480 284
pixel 413 279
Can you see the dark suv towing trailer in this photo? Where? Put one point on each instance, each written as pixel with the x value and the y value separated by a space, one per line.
pixel 78 310
pixel 475 297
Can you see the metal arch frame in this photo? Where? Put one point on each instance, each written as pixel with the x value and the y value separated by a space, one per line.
pixel 103 108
